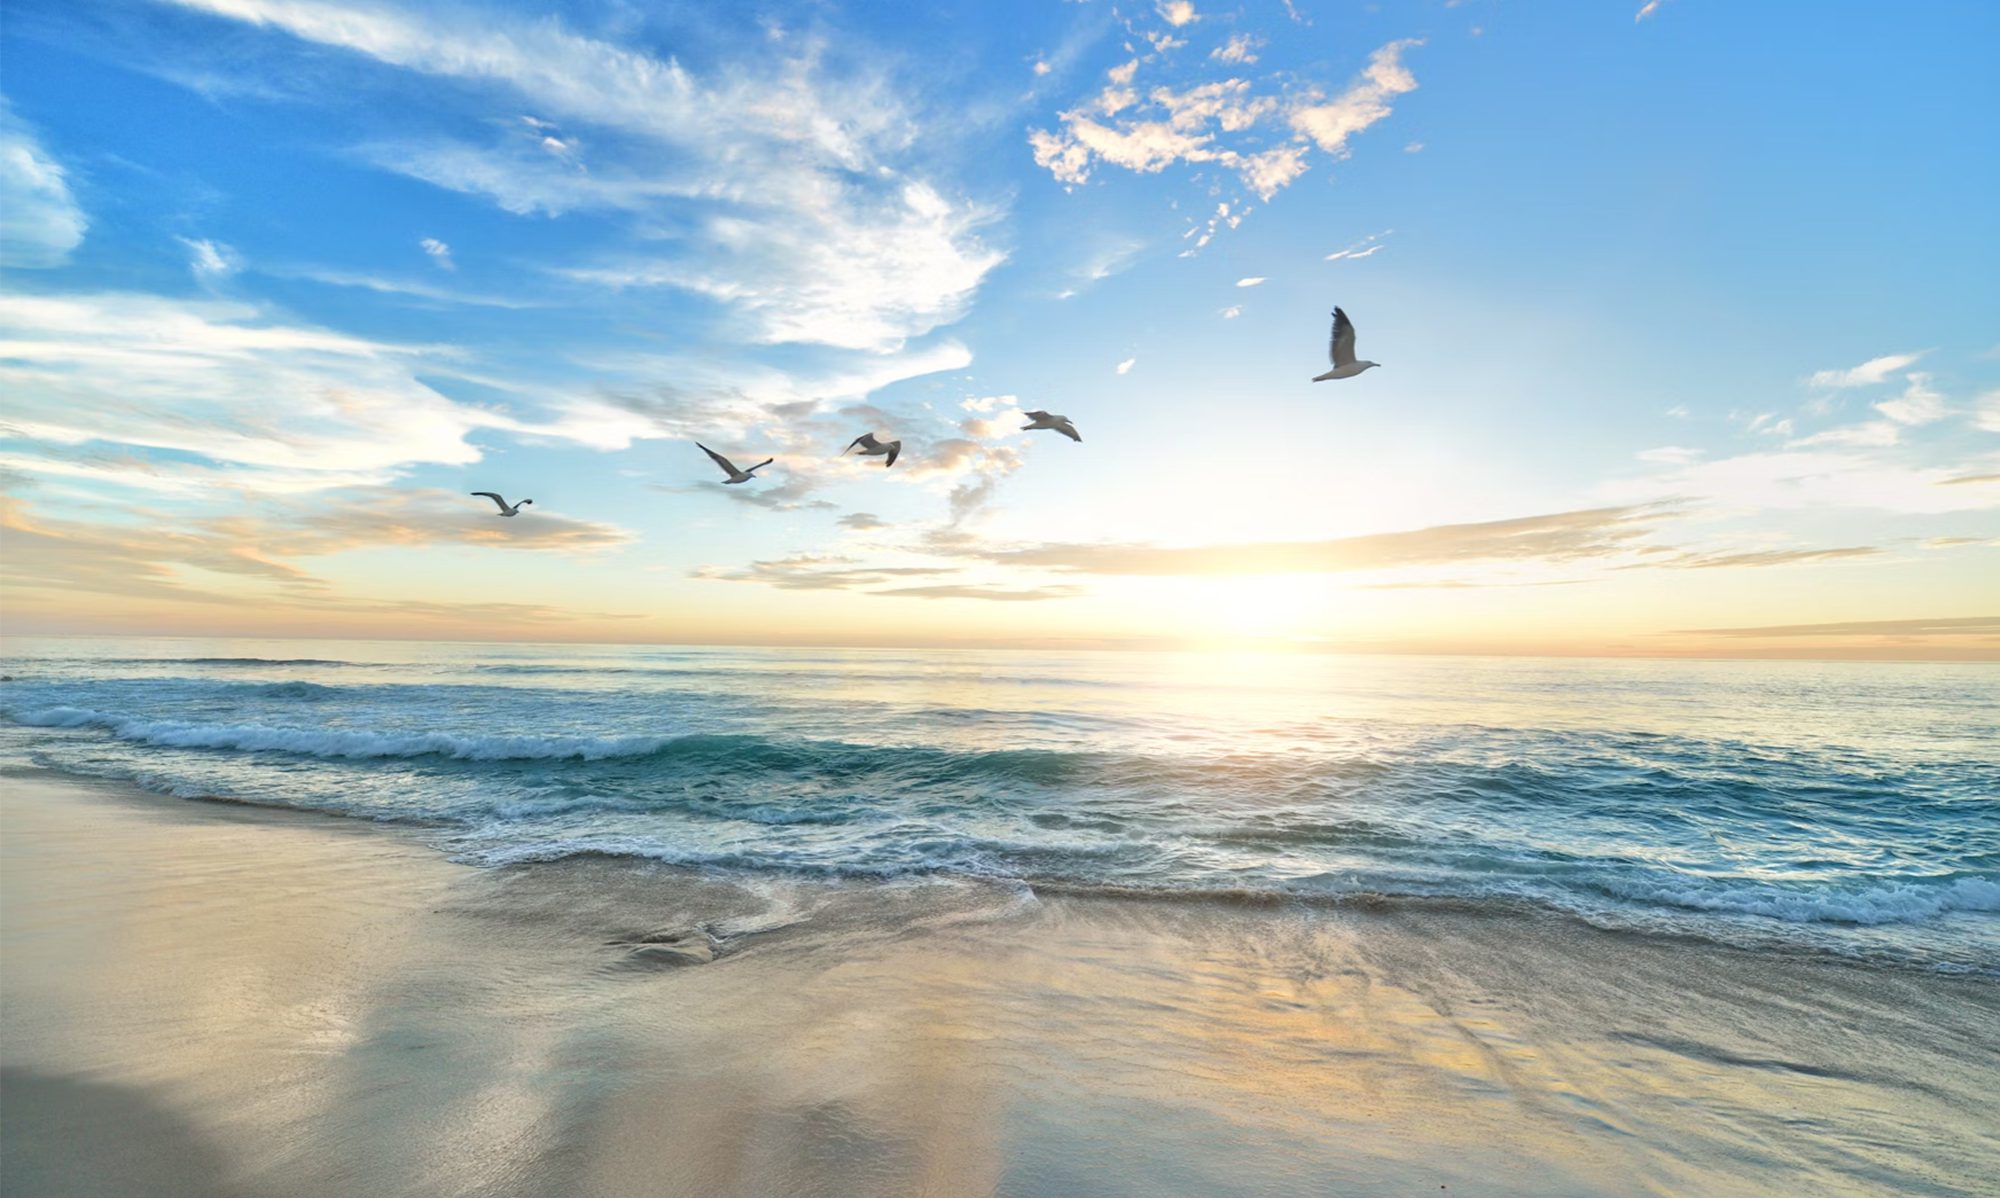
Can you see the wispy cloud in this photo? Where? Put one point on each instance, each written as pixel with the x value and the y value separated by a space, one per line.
pixel 210 260
pixel 1563 536
pixel 40 222
pixel 1252 281
pixel 1125 367
pixel 1868 374
pixel 813 228
pixel 814 572
pixel 1918 404
pixel 1987 626
pixel 438 252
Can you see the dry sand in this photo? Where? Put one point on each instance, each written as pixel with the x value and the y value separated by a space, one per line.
pixel 203 999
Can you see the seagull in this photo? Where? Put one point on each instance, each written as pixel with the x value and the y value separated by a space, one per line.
pixel 506 509
pixel 729 467
pixel 1049 420
pixel 1342 349
pixel 870 447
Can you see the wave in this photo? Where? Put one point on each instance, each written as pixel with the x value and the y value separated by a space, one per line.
pixel 343 743
pixel 1887 902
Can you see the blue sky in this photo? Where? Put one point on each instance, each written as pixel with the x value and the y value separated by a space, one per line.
pixel 1688 333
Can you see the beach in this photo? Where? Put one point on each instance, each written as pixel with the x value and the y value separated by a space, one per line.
pixel 208 998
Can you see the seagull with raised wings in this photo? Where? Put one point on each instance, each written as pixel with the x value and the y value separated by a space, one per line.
pixel 872 447
pixel 1050 420
pixel 1342 350
pixel 506 509
pixel 729 467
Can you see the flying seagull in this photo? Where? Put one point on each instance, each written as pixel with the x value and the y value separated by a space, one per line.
pixel 506 509
pixel 729 467
pixel 1342 349
pixel 1050 420
pixel 870 448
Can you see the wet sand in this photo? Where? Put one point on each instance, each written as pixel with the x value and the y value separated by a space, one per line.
pixel 202 999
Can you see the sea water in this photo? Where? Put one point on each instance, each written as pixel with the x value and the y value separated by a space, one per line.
pixel 1800 807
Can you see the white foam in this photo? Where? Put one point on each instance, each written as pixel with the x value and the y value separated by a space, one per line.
pixel 1887 902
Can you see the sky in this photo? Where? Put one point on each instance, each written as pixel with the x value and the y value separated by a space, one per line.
pixel 1686 316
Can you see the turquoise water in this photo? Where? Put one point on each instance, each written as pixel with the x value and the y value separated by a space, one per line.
pixel 1798 807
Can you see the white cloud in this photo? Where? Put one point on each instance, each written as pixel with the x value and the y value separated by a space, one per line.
pixel 1225 122
pixel 1126 366
pixel 1232 312
pixel 1041 67
pixel 1365 101
pixel 1240 48
pixel 1918 404
pixel 1415 147
pixel 239 397
pixel 209 259
pixel 40 222
pixel 1646 10
pixel 1986 412
pixel 1868 374
pixel 794 170
pixel 1875 433
pixel 1672 455
pixel 1825 477
pixel 438 252
pixel 1178 12
pixel 1251 281
pixel 1366 247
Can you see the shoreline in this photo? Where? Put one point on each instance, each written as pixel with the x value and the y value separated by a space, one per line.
pixel 255 1001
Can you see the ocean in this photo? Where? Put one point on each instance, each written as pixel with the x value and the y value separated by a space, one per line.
pixel 1795 807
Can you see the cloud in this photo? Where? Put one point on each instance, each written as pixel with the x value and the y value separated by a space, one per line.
pixel 1646 10
pixel 210 260
pixel 1677 455
pixel 1918 404
pixel 438 252
pixel 1986 412
pixel 1263 138
pixel 1872 433
pixel 1366 247
pixel 1252 281
pixel 1758 557
pixel 1868 374
pixel 1563 536
pixel 1240 48
pixel 1177 12
pixel 1126 366
pixel 227 394
pixel 40 222
pixel 171 560
pixel 1953 626
pixel 1415 147
pixel 1232 312
pixel 812 572
pixel 862 522
pixel 792 166
pixel 410 287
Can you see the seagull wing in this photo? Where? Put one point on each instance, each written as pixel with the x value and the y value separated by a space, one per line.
pixel 1342 348
pixel 1036 415
pixel 895 447
pixel 865 441
pixel 495 498
pixel 759 466
pixel 1067 429
pixel 727 466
